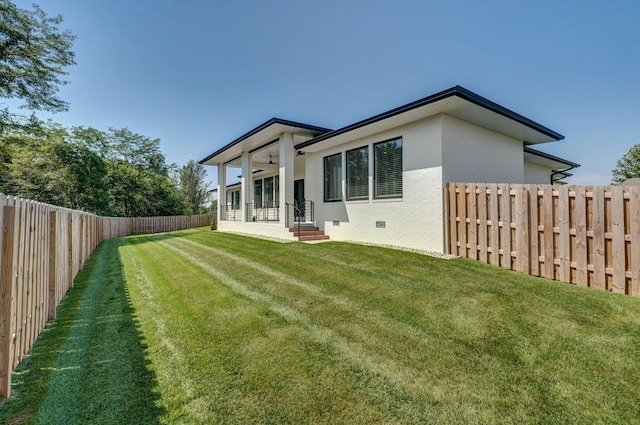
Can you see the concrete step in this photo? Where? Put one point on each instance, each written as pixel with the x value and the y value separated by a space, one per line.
pixel 308 233
pixel 304 238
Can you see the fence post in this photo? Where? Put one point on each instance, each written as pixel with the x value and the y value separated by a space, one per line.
pixel 7 298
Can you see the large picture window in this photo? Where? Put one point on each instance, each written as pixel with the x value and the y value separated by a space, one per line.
pixel 333 178
pixel 358 173
pixel 388 169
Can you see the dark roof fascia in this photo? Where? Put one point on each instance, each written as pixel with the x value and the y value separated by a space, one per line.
pixel 227 187
pixel 551 157
pixel 261 127
pixel 453 91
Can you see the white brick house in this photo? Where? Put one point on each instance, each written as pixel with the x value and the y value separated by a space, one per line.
pixel 381 179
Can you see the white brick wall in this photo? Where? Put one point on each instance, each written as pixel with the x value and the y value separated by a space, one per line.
pixel 415 220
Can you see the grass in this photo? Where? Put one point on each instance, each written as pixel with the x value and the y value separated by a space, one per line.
pixel 203 327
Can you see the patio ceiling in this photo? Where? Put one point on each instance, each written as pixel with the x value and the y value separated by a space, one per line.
pixel 262 141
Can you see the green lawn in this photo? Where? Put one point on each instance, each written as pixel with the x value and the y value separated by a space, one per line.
pixel 205 327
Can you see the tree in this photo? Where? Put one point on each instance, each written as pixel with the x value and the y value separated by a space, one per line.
pixel 33 55
pixel 628 166
pixel 114 173
pixel 193 188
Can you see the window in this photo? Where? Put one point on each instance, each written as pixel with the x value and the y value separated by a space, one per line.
pixel 268 192
pixel 257 193
pixel 333 178
pixel 388 169
pixel 358 173
pixel 276 189
pixel 235 200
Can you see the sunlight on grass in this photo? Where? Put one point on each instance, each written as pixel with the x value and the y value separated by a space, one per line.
pixel 230 329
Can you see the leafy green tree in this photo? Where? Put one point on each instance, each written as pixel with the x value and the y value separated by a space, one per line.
pixel 113 173
pixel 48 167
pixel 193 188
pixel 82 178
pixel 33 55
pixel 628 166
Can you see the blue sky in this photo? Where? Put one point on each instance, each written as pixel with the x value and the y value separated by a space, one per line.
pixel 197 74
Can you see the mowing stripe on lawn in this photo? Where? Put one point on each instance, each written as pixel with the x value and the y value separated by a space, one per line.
pixel 60 406
pixel 178 294
pixel 389 369
pixel 154 308
pixel 365 313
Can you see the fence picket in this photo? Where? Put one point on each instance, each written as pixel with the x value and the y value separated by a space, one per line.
pixel 482 225
pixel 634 222
pixel 42 248
pixel 522 230
pixel 585 235
pixel 564 237
pixel 472 212
pixel 495 225
pixel 618 242
pixel 580 254
pixel 505 225
pixel 8 297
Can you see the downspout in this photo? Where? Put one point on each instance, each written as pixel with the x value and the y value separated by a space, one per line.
pixel 557 172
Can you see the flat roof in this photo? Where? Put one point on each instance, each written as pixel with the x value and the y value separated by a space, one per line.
pixel 437 103
pixel 456 101
pixel 543 158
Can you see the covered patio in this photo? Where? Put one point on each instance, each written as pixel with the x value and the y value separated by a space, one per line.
pixel 270 195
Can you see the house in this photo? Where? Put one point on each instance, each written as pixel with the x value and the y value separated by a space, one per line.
pixel 630 182
pixel 379 180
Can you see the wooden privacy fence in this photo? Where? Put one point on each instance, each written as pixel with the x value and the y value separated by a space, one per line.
pixel 586 235
pixel 42 249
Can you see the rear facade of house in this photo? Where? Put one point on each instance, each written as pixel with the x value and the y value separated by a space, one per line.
pixel 380 180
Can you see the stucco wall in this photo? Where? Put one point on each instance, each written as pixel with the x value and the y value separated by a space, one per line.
pixel 474 154
pixel 415 220
pixel 536 174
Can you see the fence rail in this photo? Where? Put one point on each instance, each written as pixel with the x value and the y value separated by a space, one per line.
pixel 586 235
pixel 42 249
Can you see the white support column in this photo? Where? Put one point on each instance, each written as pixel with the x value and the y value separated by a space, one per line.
pixel 222 189
pixel 287 154
pixel 245 184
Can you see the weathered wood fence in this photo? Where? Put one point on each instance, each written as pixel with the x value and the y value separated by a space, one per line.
pixel 586 235
pixel 42 249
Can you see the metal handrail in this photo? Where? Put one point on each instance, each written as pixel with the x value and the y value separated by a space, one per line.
pixel 295 208
pixel 300 214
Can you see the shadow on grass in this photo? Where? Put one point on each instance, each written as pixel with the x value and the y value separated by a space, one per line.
pixel 89 365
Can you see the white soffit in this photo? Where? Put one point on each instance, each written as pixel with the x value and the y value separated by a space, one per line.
pixel 453 106
pixel 544 161
pixel 263 137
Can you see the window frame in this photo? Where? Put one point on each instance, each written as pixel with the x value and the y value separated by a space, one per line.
pixel 376 166
pixel 349 196
pixel 338 184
